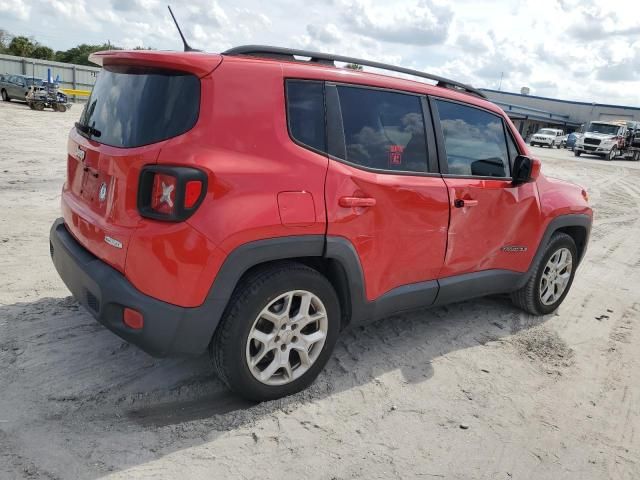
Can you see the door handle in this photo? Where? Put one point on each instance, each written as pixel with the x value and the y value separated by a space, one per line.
pixel 348 202
pixel 459 203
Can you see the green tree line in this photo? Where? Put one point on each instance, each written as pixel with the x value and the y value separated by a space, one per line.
pixel 22 46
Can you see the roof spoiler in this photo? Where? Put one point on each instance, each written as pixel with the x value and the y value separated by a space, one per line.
pixel 289 54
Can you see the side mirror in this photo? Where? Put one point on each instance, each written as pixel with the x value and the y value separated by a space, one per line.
pixel 525 169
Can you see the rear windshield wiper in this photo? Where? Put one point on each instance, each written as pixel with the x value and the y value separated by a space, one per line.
pixel 88 130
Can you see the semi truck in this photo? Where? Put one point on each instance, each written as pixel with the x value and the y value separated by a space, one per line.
pixel 610 139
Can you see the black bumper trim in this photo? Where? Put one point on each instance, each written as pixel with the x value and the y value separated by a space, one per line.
pixel 105 292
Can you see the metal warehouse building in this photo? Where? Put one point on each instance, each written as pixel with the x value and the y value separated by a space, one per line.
pixel 530 113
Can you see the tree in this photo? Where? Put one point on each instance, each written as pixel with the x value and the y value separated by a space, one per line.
pixel 21 46
pixel 5 38
pixel 42 52
pixel 80 54
pixel 353 66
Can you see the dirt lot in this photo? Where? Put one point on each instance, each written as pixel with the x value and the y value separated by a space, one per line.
pixel 474 390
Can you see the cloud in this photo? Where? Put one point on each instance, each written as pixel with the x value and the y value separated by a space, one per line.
pixel 422 24
pixel 474 43
pixel 627 70
pixel 595 24
pixel 324 33
pixel 16 9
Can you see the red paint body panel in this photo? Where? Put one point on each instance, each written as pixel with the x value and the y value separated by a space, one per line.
pixel 505 215
pixel 250 162
pixel 90 219
pixel 262 185
pixel 173 262
pixel 400 240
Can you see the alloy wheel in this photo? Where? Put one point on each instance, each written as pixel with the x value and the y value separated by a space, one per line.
pixel 287 337
pixel 556 276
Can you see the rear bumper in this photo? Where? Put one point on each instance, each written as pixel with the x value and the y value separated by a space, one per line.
pixel 168 329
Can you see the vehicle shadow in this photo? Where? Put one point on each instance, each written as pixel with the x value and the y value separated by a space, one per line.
pixel 62 371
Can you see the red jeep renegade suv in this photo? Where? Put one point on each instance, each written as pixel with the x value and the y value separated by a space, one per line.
pixel 256 202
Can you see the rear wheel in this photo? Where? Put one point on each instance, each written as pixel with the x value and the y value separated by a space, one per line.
pixel 5 96
pixel 551 279
pixel 277 333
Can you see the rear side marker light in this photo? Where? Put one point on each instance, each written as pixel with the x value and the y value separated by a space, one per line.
pixel 192 193
pixel 133 319
pixel 171 194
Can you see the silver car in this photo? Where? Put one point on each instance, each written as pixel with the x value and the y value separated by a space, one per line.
pixel 16 87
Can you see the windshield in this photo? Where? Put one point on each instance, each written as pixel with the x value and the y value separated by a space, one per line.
pixel 547 131
pixel 135 106
pixel 603 128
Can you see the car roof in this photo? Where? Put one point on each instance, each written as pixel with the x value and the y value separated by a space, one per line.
pixel 318 71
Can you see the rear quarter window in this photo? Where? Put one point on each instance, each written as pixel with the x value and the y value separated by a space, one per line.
pixel 305 113
pixel 135 106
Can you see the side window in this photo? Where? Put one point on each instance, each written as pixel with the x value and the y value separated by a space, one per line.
pixel 474 141
pixel 305 113
pixel 383 130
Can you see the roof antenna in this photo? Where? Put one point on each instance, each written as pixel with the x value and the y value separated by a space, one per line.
pixel 187 47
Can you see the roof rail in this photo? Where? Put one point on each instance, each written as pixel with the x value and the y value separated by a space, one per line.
pixel 289 54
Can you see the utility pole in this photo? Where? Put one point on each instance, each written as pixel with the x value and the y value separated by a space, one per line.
pixel 500 85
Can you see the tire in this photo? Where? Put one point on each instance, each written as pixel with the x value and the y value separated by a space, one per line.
pixel 577 152
pixel 5 96
pixel 61 108
pixel 636 156
pixel 532 144
pixel 234 344
pixel 531 297
pixel 39 106
pixel 612 154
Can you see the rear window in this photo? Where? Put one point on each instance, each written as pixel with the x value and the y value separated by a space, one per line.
pixel 135 106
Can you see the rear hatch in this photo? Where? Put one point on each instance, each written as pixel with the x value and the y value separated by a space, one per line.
pixel 140 101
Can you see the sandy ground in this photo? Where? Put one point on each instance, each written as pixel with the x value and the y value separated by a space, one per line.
pixel 473 390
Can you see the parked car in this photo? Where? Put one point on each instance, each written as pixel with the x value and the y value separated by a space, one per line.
pixel 258 221
pixel 549 137
pixel 16 87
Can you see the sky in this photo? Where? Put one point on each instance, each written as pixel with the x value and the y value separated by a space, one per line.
pixel 570 49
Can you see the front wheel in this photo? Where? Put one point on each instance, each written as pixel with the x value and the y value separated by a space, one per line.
pixel 5 96
pixel 277 333
pixel 551 278
pixel 612 154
